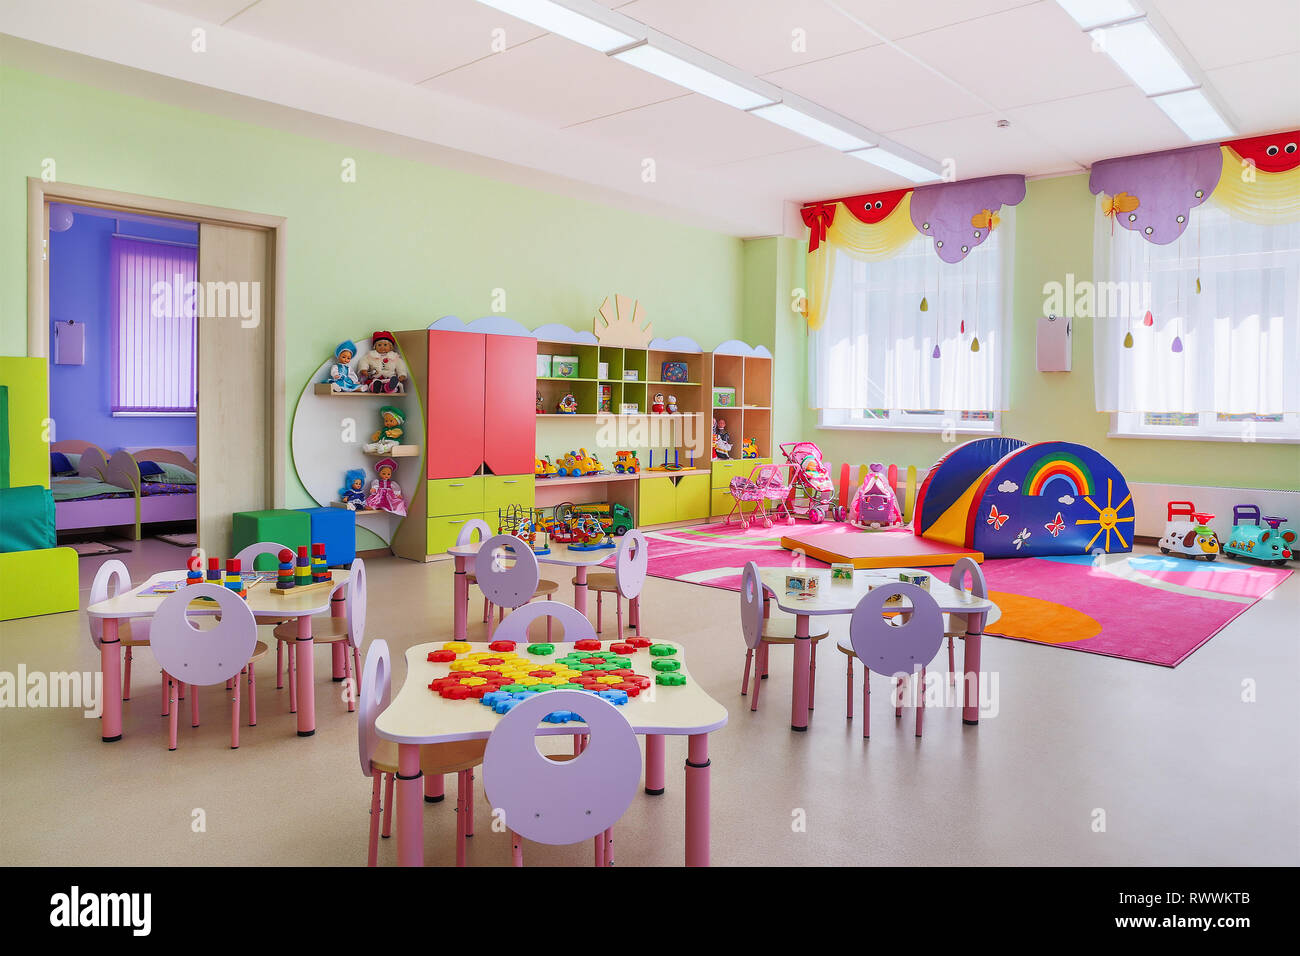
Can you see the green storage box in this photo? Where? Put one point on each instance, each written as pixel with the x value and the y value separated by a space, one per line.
pixel 289 528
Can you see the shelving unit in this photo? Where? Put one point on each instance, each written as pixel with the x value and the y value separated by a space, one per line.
pixel 750 417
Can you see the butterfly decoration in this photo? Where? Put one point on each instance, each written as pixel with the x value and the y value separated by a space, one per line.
pixel 1112 206
pixel 996 518
pixel 1056 525
pixel 1021 538
pixel 985 219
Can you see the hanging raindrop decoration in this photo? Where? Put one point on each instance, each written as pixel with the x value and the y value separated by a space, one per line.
pixel 975 333
pixel 1128 340
pixel 1176 346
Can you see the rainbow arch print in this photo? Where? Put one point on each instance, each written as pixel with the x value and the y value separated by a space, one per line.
pixel 1059 467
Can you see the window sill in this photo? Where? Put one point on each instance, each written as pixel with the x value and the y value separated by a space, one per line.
pixel 154 415
pixel 1159 436
pixel 914 430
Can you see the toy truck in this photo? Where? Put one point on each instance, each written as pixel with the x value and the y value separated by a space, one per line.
pixel 1265 538
pixel 1188 533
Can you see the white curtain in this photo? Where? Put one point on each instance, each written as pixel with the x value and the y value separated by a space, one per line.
pixel 1239 336
pixel 876 347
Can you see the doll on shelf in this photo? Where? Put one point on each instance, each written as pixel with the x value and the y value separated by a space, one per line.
pixel 382 369
pixel 389 435
pixel 568 405
pixel 541 405
pixel 385 494
pixel 721 439
pixel 657 406
pixel 340 374
pixel 353 492
pixel 672 404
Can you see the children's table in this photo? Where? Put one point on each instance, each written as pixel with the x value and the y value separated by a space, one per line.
pixel 560 554
pixel 419 716
pixel 261 601
pixel 841 597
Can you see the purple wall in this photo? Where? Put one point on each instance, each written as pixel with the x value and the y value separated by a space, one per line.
pixel 80 395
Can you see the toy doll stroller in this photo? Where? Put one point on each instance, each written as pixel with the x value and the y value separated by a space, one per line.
pixel 812 493
pixel 768 492
pixel 875 505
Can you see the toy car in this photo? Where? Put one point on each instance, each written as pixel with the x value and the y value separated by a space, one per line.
pixel 615 519
pixel 626 463
pixel 543 468
pixel 577 464
pixel 1188 533
pixel 1266 539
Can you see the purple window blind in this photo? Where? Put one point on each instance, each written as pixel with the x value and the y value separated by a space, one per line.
pixel 155 328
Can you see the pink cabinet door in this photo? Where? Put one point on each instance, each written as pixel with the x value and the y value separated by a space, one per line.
pixel 510 425
pixel 454 404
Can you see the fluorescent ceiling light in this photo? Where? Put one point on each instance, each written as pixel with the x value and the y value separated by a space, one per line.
pixel 1194 114
pixel 676 69
pixel 578 20
pixel 1140 53
pixel 897 164
pixel 1095 13
pixel 801 122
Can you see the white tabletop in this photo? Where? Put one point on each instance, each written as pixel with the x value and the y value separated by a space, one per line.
pixel 260 599
pixel 418 715
pixel 841 597
pixel 560 554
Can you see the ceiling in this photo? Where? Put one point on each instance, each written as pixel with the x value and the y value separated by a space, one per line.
pixel 935 76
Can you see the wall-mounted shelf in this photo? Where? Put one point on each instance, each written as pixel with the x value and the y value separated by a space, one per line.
pixel 401 451
pixel 324 388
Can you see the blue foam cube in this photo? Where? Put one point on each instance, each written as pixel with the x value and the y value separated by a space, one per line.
pixel 336 528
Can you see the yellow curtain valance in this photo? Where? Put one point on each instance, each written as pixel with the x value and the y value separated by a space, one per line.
pixel 866 242
pixel 1256 195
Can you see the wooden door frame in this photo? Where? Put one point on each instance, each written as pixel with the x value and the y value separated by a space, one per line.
pixel 41 193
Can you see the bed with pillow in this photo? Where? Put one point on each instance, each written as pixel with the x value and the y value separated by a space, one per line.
pixel 92 490
pixel 168 485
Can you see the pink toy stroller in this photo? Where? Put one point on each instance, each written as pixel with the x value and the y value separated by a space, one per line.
pixel 875 506
pixel 768 492
pixel 812 493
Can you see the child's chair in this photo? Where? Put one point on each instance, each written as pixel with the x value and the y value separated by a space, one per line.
pixel 246 557
pixel 329 629
pixel 898 646
pixel 475 530
pixel 761 630
pixel 112 579
pixel 955 624
pixel 630 565
pixel 562 799
pixel 379 757
pixel 509 586
pixel 202 658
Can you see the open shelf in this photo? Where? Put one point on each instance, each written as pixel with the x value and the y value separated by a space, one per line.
pixel 401 451
pixel 584 480
pixel 325 389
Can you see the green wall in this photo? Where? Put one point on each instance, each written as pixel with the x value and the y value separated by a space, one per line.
pixel 403 245
pixel 1053 237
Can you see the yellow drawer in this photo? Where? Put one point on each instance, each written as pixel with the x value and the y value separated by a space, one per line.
pixel 693 498
pixel 502 491
pixel 724 471
pixel 658 500
pixel 721 502
pixel 443 530
pixel 455 496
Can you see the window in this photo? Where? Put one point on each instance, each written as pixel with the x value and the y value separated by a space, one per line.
pixel 154 327
pixel 1218 363
pixel 873 363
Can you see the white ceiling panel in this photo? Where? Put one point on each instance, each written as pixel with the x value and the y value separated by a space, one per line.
pixel 1220 34
pixel 210 11
pixel 1103 125
pixel 1262 95
pixel 880 88
pixel 1027 55
pixel 412 40
pixel 696 131
pixel 977 147
pixel 901 18
pixel 754 35
pixel 806 175
pixel 555 81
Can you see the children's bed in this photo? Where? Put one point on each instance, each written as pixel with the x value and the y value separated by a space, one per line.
pixel 113 491
pixel 161 498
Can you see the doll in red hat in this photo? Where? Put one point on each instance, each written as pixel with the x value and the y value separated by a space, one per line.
pixel 382 370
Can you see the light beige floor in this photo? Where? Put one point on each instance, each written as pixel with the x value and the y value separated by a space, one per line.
pixel 1184 770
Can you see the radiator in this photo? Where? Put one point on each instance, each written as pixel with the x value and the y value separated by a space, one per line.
pixel 1150 502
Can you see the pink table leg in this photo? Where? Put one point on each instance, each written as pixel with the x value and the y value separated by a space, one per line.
pixel 697 800
pixel 802 674
pixel 410 806
pixel 970 686
pixel 435 788
pixel 339 649
pixel 460 601
pixel 580 590
pixel 306 685
pixel 110 663
pixel 654 764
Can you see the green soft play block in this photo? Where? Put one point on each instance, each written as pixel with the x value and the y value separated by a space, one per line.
pixel 289 528
pixel 38 582
pixel 27 419
pixel 4 436
pixel 26 519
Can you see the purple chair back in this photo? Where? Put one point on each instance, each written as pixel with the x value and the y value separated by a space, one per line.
pixel 376 694
pixel 503 585
pixel 111 579
pixel 561 802
pixel 963 568
pixel 892 648
pixel 631 563
pixel 515 626
pixel 210 656
pixel 250 554
pixel 472 527
pixel 751 606
pixel 357 603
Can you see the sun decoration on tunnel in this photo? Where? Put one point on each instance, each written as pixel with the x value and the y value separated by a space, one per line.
pixel 1107 519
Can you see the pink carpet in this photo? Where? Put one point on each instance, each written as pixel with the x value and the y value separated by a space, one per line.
pixel 1141 607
